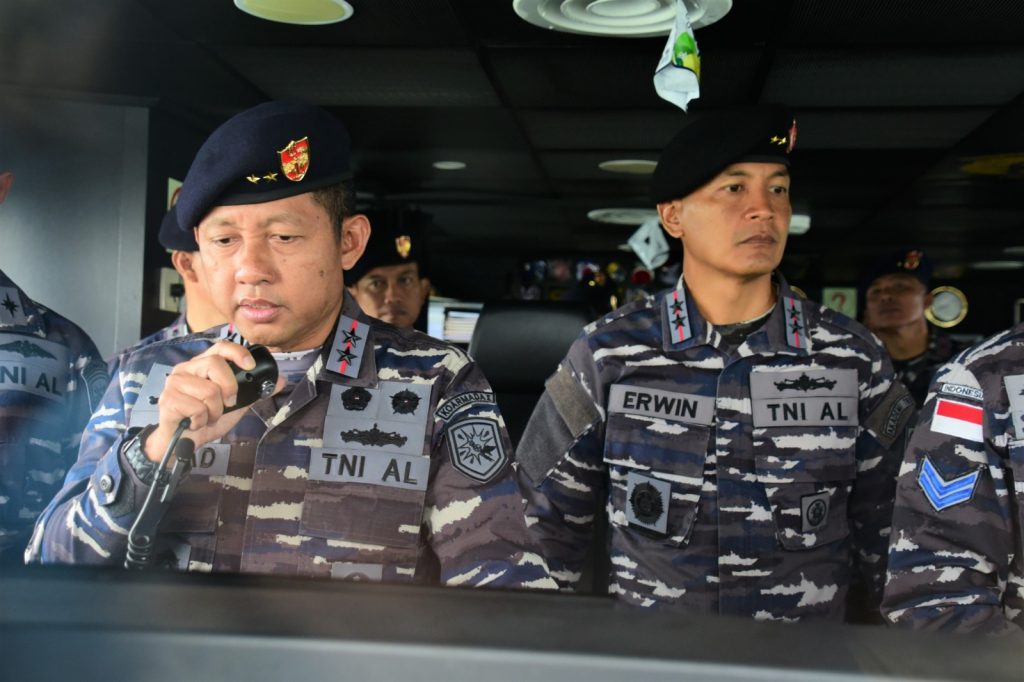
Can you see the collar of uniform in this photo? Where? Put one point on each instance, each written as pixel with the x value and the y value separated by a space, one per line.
pixel 785 331
pixel 681 323
pixel 348 355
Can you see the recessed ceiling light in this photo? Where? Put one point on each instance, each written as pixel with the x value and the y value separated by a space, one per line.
pixel 449 165
pixel 631 166
pixel 623 18
pixel 302 12
pixel 800 223
pixel 997 264
pixel 622 216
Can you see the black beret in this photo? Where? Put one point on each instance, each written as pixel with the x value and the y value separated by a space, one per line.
pixel 715 140
pixel 914 262
pixel 174 238
pixel 396 237
pixel 272 151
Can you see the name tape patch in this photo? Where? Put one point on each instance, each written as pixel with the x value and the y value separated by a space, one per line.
pixel 805 412
pixel 211 460
pixel 680 407
pixel 370 468
pixel 961 390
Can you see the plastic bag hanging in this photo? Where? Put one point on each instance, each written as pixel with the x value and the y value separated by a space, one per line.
pixel 677 77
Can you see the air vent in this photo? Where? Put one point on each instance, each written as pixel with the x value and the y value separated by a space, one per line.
pixel 622 18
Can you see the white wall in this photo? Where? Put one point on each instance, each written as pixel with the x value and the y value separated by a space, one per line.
pixel 72 227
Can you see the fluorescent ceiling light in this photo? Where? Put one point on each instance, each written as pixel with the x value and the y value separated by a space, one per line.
pixel 997 264
pixel 622 216
pixel 302 12
pixel 1014 250
pixel 630 166
pixel 449 165
pixel 799 224
pixel 622 18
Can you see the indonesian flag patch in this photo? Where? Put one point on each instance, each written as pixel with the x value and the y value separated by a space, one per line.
pixel 958 419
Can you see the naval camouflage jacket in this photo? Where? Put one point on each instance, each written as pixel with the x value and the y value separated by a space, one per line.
pixel 51 378
pixel 956 559
pixel 747 483
pixel 174 330
pixel 387 461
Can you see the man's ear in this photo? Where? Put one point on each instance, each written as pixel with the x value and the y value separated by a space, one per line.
pixel 182 261
pixel 6 180
pixel 425 286
pixel 670 213
pixel 355 233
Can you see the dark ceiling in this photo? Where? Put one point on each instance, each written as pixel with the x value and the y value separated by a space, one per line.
pixel 894 98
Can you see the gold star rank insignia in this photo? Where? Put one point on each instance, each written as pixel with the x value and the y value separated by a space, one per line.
pixel 253 178
pixel 270 177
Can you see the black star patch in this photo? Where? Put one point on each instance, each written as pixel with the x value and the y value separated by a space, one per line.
pixel 679 321
pixel 352 337
pixel 345 355
pixel 11 306
pixel 355 399
pixel 678 308
pixel 405 402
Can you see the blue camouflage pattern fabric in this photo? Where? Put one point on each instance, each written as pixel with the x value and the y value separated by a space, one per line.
pixel 51 378
pixel 174 330
pixel 956 557
pixel 749 483
pixel 385 461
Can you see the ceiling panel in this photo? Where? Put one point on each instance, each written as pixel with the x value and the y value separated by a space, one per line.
pixel 366 76
pixel 896 77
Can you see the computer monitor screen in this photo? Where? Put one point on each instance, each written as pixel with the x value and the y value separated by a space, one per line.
pixel 451 320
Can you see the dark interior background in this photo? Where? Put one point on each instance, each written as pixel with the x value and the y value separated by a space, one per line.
pixel 909 117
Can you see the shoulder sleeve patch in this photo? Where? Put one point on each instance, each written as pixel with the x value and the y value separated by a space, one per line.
pixel 476 449
pixel 573 403
pixel 890 418
pixel 563 413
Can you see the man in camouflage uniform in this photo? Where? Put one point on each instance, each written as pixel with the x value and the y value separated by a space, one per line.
pixel 956 557
pixel 51 378
pixel 390 281
pixel 737 436
pixel 381 457
pixel 895 300
pixel 200 313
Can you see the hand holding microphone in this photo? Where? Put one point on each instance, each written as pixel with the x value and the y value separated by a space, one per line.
pixel 196 400
pixel 209 391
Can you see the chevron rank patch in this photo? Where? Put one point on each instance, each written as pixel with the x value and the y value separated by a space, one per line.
pixel 942 493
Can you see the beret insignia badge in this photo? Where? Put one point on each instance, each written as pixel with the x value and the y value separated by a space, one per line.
pixel 912 261
pixel 295 159
pixel 403 245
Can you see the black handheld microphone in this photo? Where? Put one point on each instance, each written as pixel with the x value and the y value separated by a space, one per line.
pixel 253 384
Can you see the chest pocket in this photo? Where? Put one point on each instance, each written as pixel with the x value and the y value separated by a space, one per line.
pixel 807 474
pixel 369 497
pixel 656 445
pixel 804 438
